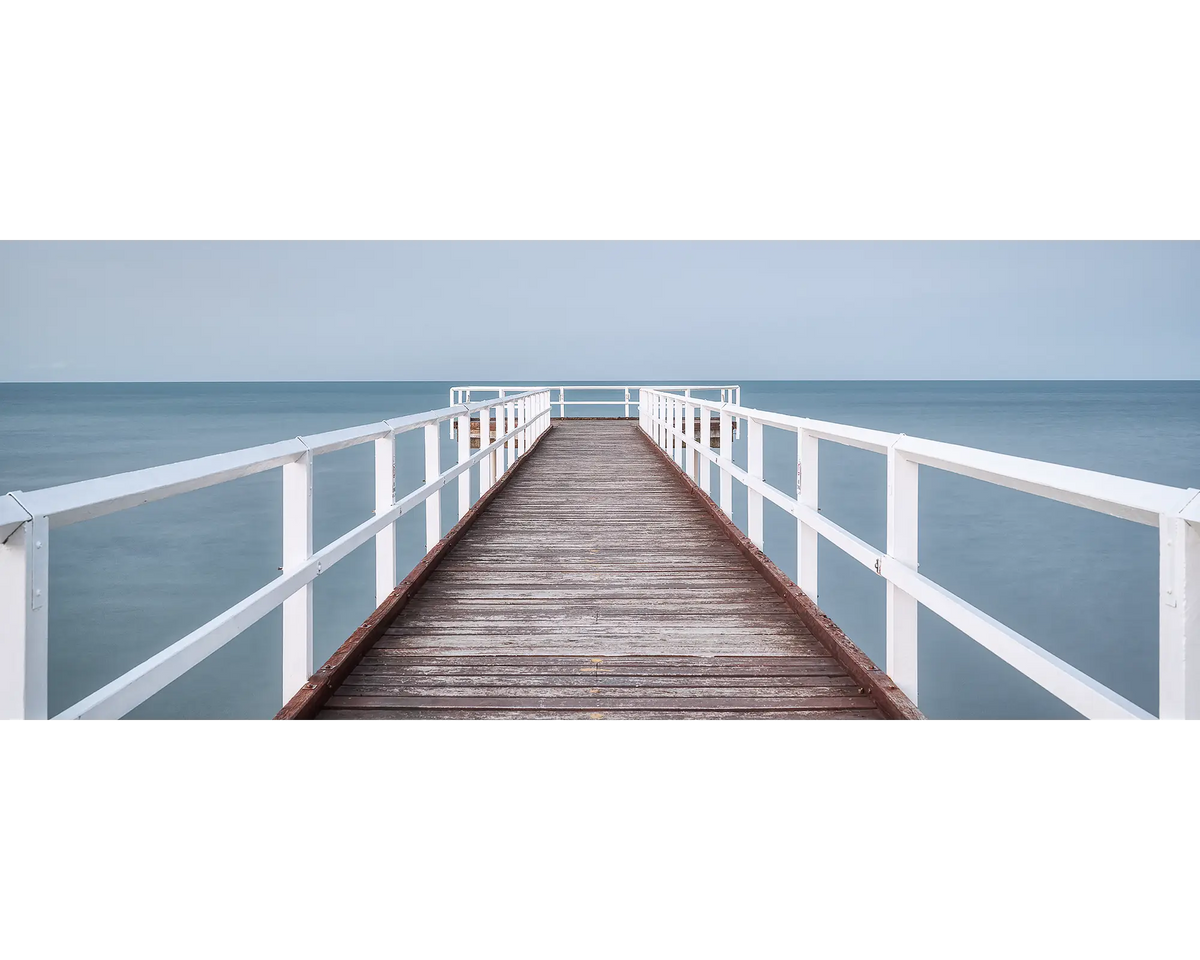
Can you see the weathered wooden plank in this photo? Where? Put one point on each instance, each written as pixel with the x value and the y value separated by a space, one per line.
pixel 492 601
pixel 588 579
pixel 529 625
pixel 612 609
pixel 336 714
pixel 657 660
pixel 532 634
pixel 340 701
pixel 364 682
pixel 483 644
pixel 598 691
pixel 400 660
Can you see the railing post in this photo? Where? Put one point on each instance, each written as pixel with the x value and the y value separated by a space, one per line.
pixel 464 454
pixel 24 622
pixel 501 429
pixel 680 413
pixel 433 504
pixel 626 403
pixel 676 443
pixel 518 442
pixel 668 425
pixel 385 498
pixel 807 474
pixel 297 548
pixel 689 432
pixel 754 499
pixel 1179 618
pixel 562 401
pixel 510 424
pixel 725 477
pixel 683 450
pixel 902 476
pixel 498 453
pixel 488 461
pixel 689 449
pixel 702 464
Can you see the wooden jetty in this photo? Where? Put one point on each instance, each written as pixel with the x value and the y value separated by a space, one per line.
pixel 590 574
pixel 598 582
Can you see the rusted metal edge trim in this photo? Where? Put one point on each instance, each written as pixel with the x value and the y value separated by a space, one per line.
pixel 309 699
pixel 892 701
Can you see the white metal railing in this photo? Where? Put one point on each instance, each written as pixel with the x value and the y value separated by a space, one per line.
pixel 26 520
pixel 667 419
pixel 729 393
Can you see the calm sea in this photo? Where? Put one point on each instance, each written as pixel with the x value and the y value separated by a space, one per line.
pixel 1082 585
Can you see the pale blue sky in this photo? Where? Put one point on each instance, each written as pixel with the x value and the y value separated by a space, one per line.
pixel 632 311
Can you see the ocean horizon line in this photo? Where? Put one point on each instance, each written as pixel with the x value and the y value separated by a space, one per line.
pixel 615 382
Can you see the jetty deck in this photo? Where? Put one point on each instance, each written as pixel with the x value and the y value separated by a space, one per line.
pixel 591 575
pixel 598 582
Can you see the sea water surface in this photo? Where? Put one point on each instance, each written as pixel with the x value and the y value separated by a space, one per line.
pixel 1081 584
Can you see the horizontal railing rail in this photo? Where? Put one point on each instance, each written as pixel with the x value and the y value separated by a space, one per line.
pixel 26 519
pixel 731 393
pixel 668 419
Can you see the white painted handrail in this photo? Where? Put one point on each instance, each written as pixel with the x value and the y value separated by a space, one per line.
pixel 12 515
pixel 667 419
pixel 729 392
pixel 27 518
pixel 1119 496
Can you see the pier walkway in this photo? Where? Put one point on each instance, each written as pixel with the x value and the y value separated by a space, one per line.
pixel 595 570
pixel 596 584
